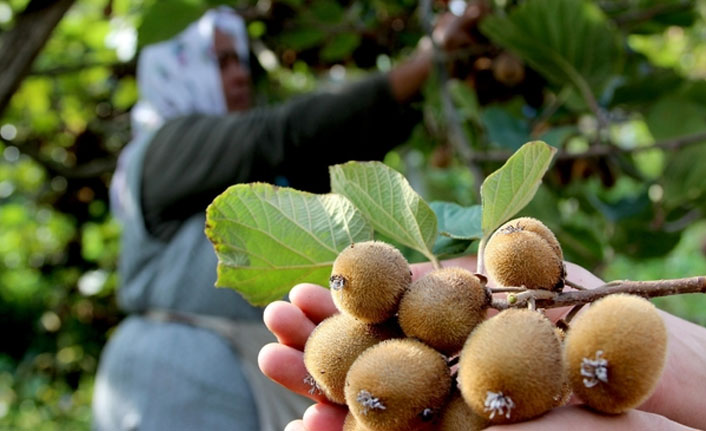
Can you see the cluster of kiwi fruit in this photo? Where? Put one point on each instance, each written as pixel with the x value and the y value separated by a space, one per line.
pixel 424 355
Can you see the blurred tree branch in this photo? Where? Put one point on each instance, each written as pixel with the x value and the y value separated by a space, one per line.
pixel 91 169
pixel 632 17
pixel 600 149
pixel 20 45
pixel 118 69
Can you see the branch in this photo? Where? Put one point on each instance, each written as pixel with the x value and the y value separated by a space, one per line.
pixel 119 68
pixel 601 150
pixel 632 17
pixel 647 289
pixel 457 136
pixel 20 45
pixel 92 169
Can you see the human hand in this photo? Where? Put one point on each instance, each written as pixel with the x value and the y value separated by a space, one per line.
pixel 675 401
pixel 292 322
pixel 452 32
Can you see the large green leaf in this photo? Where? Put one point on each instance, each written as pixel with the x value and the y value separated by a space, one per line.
pixel 269 238
pixel 567 41
pixel 163 20
pixel 458 222
pixel 387 200
pixel 340 46
pixel 673 117
pixel 506 191
pixel 458 227
pixel 504 129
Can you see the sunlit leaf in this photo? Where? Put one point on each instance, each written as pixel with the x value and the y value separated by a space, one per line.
pixel 386 199
pixel 269 238
pixel 506 191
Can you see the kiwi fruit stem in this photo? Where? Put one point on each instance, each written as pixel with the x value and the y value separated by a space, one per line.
pixel 481 251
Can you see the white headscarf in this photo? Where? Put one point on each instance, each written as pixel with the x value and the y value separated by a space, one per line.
pixel 179 76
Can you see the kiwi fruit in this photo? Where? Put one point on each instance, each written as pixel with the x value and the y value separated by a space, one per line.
pixel 508 69
pixel 511 367
pixel 458 416
pixel 333 346
pixel 351 424
pixel 442 308
pixel 397 385
pixel 615 352
pixel 533 225
pixel 368 280
pixel 524 252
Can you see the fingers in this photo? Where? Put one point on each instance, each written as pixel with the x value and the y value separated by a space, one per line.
pixel 578 418
pixel 285 365
pixel 313 300
pixel 297 425
pixel 325 417
pixel 288 323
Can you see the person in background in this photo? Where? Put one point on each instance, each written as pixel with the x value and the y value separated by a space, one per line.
pixel 185 357
pixel 675 405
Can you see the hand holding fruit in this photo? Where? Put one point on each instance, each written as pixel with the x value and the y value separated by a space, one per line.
pixel 499 368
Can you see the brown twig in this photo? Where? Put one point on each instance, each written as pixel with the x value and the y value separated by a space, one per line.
pixel 632 16
pixel 601 150
pixel 564 322
pixel 647 289
pixel 456 135
pixel 574 285
pixel 506 289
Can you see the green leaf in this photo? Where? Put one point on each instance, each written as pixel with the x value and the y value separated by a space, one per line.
pixel 504 129
pixel 683 179
pixel 581 245
pixel 340 46
pixel 465 99
pixel 387 200
pixel 458 227
pixel 458 222
pixel 675 116
pixel 567 41
pixel 303 37
pixel 163 20
pixel 269 238
pixel 506 191
pixel 328 11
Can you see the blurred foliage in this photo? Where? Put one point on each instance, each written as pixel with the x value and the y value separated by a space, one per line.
pixel 608 82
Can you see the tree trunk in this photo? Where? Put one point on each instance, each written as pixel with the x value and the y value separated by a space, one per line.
pixel 20 45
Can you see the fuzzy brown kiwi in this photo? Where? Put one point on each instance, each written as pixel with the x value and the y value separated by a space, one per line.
pixel 333 346
pixel 351 424
pixel 508 69
pixel 523 252
pixel 511 368
pixel 615 352
pixel 397 385
pixel 534 225
pixel 368 280
pixel 458 416
pixel 442 308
